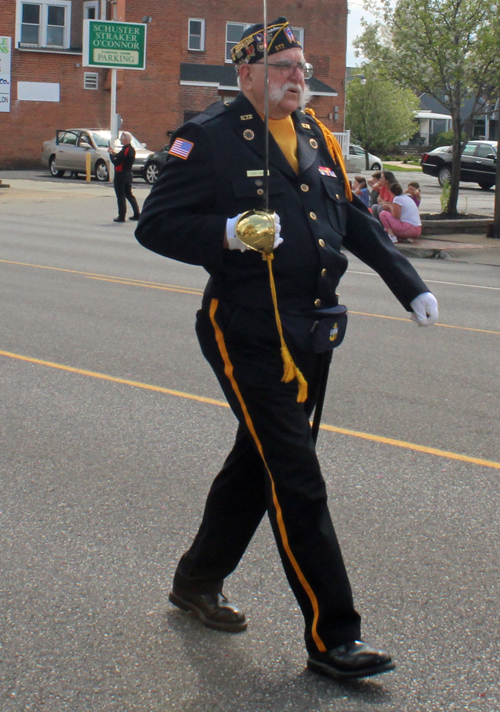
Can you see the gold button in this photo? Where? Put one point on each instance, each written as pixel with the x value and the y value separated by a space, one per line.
pixel 317 302
pixel 260 191
pixel 337 196
pixel 304 187
pixel 321 243
pixel 323 272
pixel 312 216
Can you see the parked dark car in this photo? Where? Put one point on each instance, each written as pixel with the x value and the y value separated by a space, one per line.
pixel 477 165
pixel 154 165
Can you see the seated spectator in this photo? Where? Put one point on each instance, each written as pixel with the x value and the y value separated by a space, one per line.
pixel 386 179
pixel 360 189
pixel 413 191
pixel 373 182
pixel 400 218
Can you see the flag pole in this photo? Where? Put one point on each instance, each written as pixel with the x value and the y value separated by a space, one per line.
pixel 266 113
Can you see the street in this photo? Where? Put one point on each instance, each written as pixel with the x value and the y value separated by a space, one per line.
pixel 113 427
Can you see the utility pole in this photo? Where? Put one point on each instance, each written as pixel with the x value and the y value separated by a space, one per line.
pixel 496 218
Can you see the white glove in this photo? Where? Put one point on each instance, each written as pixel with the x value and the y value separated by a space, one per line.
pixel 425 309
pixel 235 243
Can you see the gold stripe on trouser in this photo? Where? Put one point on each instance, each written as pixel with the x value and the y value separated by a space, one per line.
pixel 228 370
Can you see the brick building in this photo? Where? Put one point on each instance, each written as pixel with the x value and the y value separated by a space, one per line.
pixel 187 67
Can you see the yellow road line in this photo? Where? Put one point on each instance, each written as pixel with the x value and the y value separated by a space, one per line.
pixel 111 278
pixel 212 401
pixel 149 285
pixel 195 291
pixel 435 281
pixel 114 379
pixel 446 326
pixel 413 446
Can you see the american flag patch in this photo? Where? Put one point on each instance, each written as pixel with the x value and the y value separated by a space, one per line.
pixel 181 148
pixel 327 171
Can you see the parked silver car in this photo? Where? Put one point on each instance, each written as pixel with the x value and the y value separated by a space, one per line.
pixel 357 160
pixel 68 150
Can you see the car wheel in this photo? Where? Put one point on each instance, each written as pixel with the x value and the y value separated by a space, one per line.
pixel 486 186
pixel 101 171
pixel 52 168
pixel 444 175
pixel 376 167
pixel 151 172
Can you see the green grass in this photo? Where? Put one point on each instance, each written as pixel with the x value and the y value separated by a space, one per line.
pixel 391 167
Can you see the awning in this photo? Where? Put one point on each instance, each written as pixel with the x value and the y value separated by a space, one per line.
pixel 223 77
pixel 431 115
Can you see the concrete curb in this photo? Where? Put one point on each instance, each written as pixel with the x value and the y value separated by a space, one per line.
pixel 478 253
pixel 474 226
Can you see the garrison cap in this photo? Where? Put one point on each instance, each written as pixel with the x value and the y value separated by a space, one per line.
pixel 251 46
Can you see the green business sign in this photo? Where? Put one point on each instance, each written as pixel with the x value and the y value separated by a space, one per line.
pixel 120 45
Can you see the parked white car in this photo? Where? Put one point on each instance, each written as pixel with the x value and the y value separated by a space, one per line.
pixel 68 150
pixel 357 160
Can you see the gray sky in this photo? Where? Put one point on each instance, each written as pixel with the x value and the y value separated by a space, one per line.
pixel 354 29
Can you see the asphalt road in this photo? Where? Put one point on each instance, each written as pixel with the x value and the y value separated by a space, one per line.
pixel 472 199
pixel 113 426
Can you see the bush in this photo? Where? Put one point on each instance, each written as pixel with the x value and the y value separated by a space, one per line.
pixel 445 139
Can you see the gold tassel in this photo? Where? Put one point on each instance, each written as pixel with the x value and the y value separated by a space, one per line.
pixel 335 151
pixel 290 370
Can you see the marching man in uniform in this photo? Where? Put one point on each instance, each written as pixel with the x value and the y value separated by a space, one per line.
pixel 266 327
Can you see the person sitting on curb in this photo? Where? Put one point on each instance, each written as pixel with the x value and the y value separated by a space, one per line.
pixel 373 183
pixel 360 189
pixel 386 179
pixel 400 218
pixel 413 191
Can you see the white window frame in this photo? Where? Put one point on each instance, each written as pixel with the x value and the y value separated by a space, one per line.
pixel 245 26
pixel 89 4
pixel 201 48
pixel 91 80
pixel 299 35
pixel 44 10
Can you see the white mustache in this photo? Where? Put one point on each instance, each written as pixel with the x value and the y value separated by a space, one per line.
pixel 276 94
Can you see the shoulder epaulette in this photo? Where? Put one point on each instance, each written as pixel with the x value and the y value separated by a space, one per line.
pixel 210 112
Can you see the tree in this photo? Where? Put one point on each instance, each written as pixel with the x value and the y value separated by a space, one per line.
pixel 378 113
pixel 449 49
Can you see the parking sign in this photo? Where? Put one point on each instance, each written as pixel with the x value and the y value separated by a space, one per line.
pixel 118 45
pixel 5 59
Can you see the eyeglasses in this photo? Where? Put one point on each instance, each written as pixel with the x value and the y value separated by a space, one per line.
pixel 288 67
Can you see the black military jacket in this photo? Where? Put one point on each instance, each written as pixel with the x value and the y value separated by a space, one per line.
pixel 124 160
pixel 185 215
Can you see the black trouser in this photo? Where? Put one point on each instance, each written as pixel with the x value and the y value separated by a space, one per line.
pixel 123 190
pixel 272 467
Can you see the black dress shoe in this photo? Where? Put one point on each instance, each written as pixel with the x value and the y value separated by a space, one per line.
pixel 135 217
pixel 213 609
pixel 118 219
pixel 351 660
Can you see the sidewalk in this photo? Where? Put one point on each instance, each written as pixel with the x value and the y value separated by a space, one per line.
pixel 462 247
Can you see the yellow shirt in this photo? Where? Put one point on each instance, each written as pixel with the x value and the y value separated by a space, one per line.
pixel 283 131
